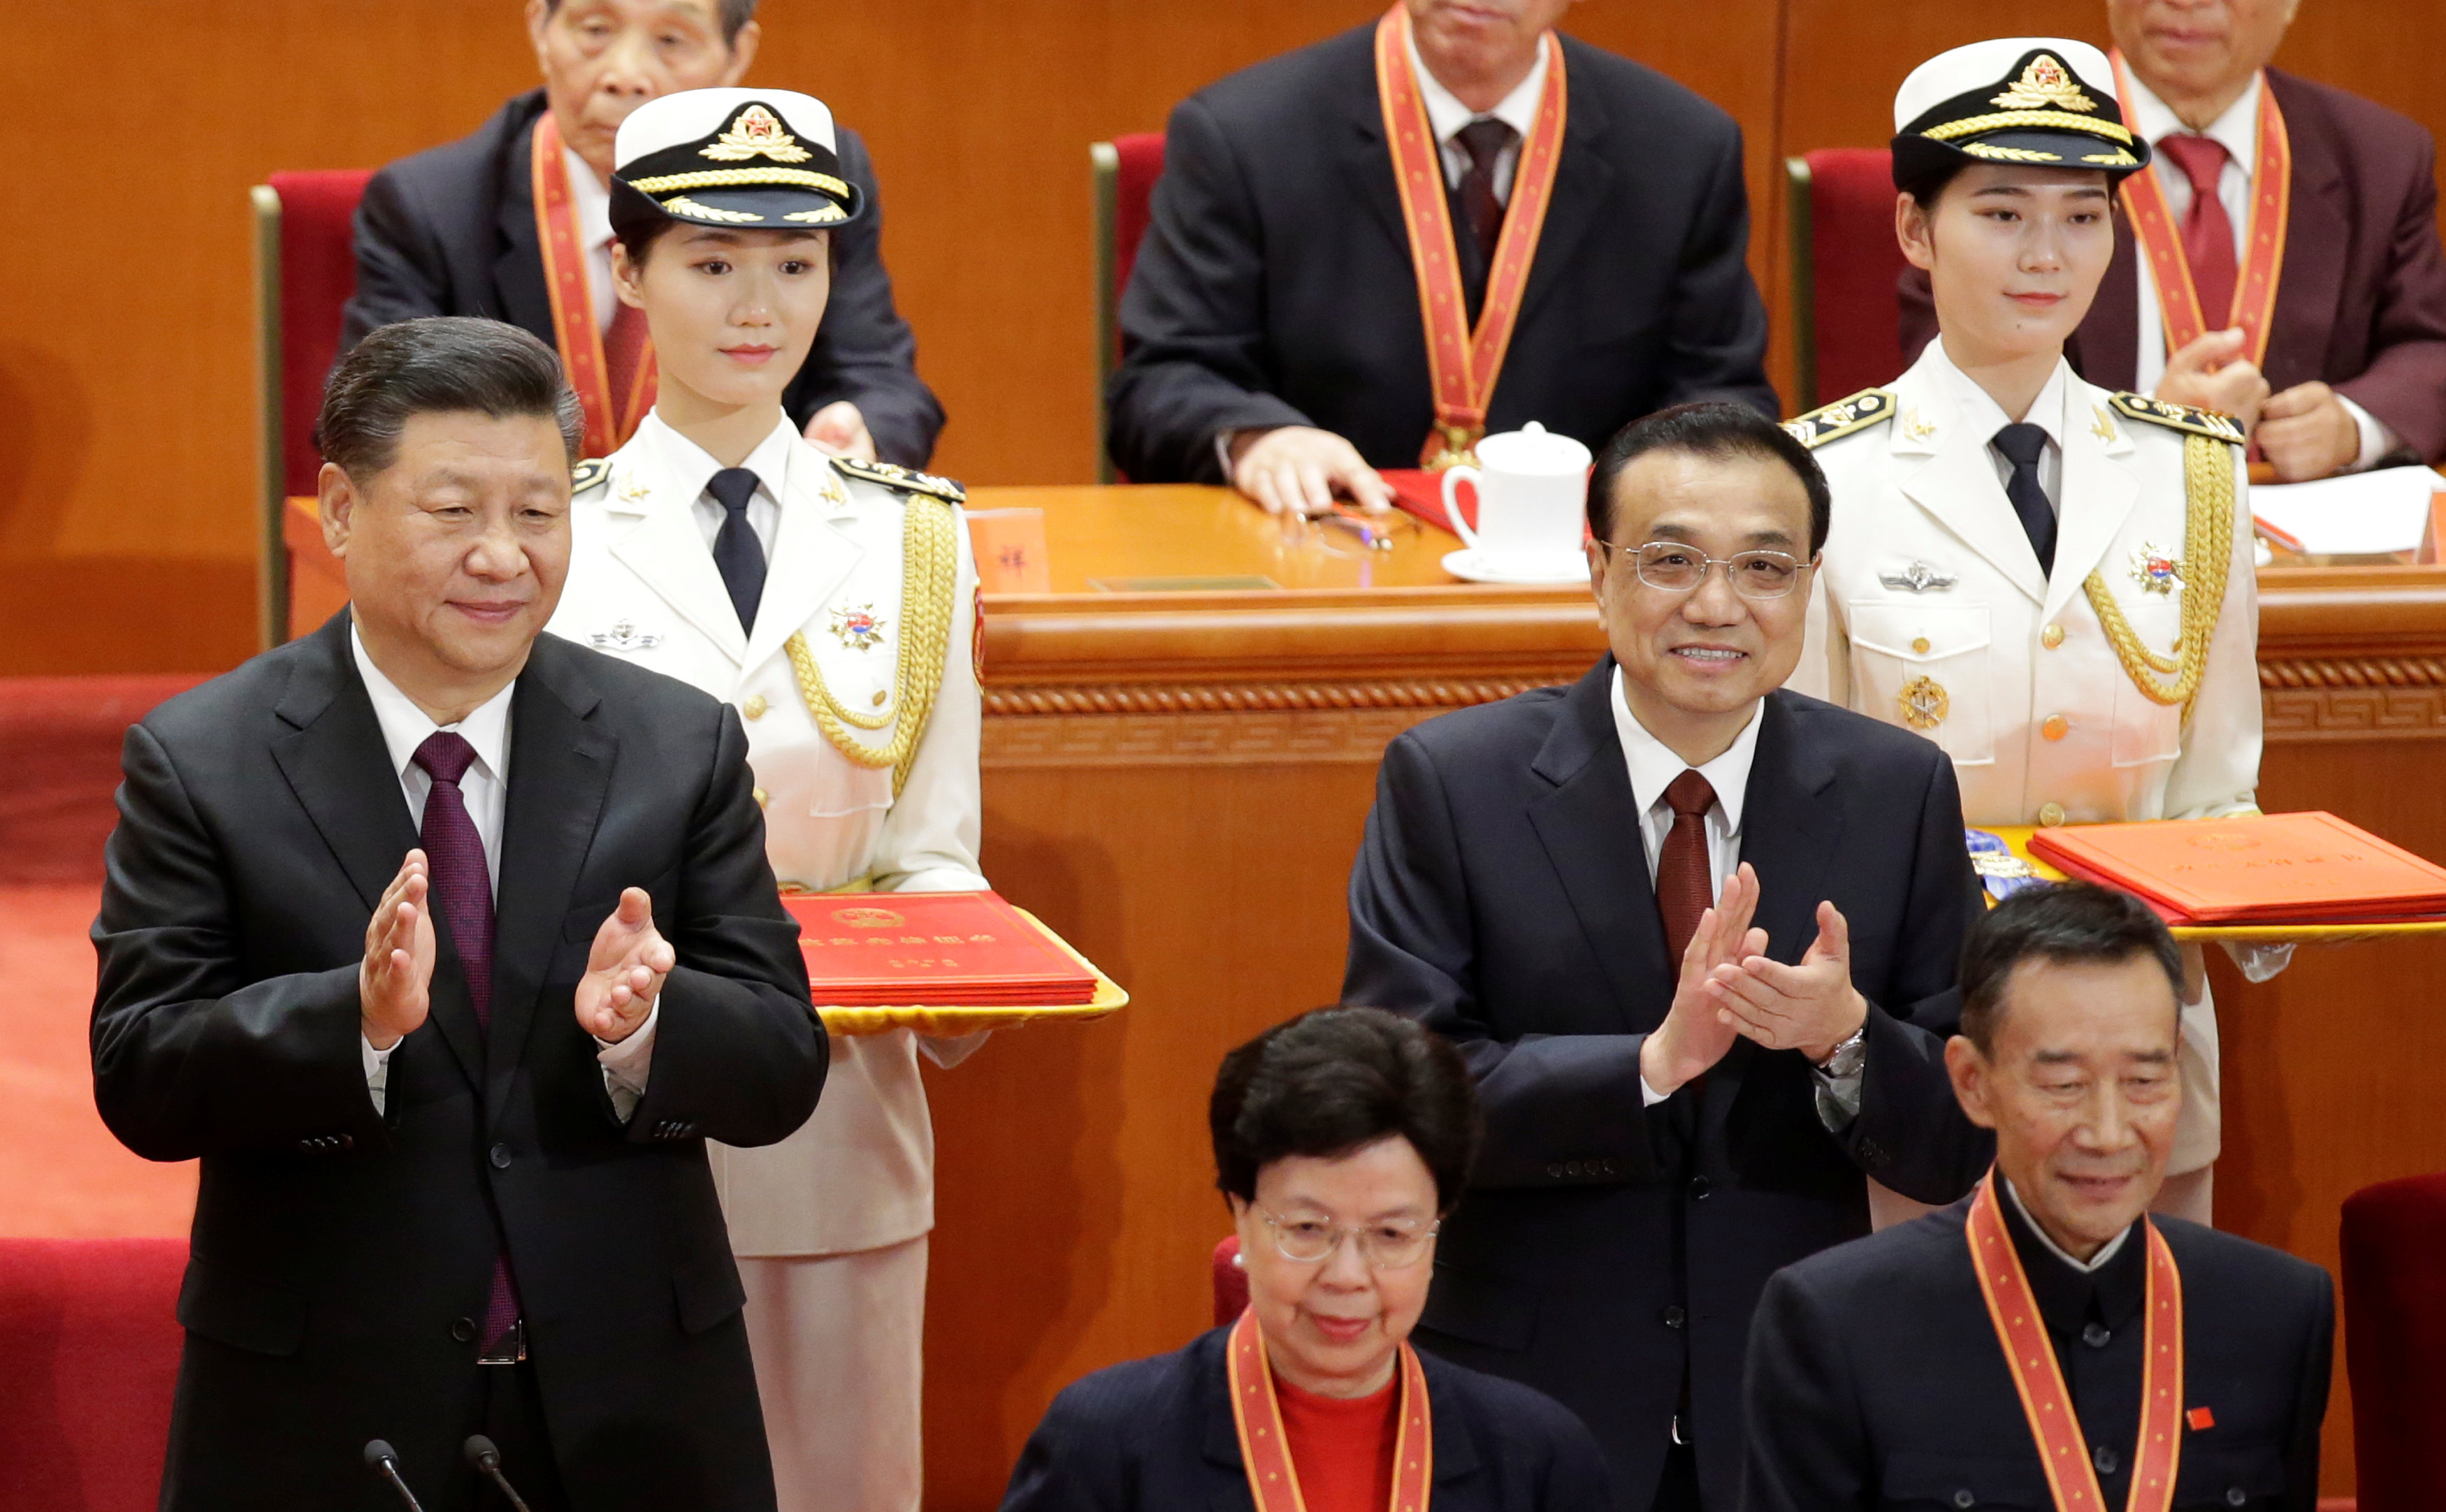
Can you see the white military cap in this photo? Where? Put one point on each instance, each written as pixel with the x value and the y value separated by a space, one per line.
pixel 748 157
pixel 2045 101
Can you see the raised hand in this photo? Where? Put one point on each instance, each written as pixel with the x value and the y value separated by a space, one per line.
pixel 1811 1007
pixel 1697 1031
pixel 394 982
pixel 839 429
pixel 624 970
pixel 2210 373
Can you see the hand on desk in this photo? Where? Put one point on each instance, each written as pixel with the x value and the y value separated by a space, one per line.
pixel 1697 1030
pixel 1299 468
pixel 2306 432
pixel 1811 1007
pixel 839 430
pixel 2210 373
pixel 624 970
pixel 395 979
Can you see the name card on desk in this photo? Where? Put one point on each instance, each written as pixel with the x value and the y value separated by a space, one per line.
pixel 1009 545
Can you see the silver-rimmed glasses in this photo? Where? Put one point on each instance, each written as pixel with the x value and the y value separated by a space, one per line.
pixel 1382 1246
pixel 1671 567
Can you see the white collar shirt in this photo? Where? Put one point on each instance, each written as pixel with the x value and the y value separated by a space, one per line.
pixel 2237 131
pixel 405 727
pixel 1981 413
pixel 1653 766
pixel 2096 1262
pixel 590 203
pixel 688 468
pixel 1446 115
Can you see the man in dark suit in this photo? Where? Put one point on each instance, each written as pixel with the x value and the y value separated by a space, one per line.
pixel 1271 331
pixel 452 230
pixel 2354 366
pixel 1677 1103
pixel 1879 1374
pixel 447 946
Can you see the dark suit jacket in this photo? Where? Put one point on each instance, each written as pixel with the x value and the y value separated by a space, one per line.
pixel 339 1252
pixel 2360 303
pixel 1876 1380
pixel 1274 285
pixel 1503 899
pixel 1157 1435
pixel 451 231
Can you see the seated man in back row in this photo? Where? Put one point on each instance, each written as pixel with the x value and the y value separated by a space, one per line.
pixel 1573 224
pixel 2011 1351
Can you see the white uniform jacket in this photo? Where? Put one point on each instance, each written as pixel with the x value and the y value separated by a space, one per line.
pixel 643 586
pixel 1928 609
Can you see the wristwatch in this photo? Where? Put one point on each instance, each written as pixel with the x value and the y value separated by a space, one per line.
pixel 1848 1056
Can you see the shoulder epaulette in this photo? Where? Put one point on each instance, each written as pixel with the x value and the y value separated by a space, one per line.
pixel 1869 407
pixel 892 476
pixel 592 473
pixel 2180 416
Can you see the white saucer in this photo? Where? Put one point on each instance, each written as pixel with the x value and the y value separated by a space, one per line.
pixel 1478 567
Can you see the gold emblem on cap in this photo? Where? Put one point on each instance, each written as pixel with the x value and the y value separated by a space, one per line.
pixel 1923 703
pixel 2044 85
pixel 820 215
pixel 682 205
pixel 757 133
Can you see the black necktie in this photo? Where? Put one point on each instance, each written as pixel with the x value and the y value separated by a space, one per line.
pixel 737 554
pixel 2023 445
pixel 1481 211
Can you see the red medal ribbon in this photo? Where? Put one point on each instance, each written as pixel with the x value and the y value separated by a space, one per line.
pixel 1463 363
pixel 2014 1310
pixel 1266 1454
pixel 573 303
pixel 2263 245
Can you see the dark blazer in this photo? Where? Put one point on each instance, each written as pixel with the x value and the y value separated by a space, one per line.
pixel 1157 1435
pixel 1274 285
pixel 1503 899
pixel 1875 1380
pixel 451 231
pixel 2360 303
pixel 339 1252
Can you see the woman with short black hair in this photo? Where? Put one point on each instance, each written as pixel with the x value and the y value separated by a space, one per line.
pixel 1341 1139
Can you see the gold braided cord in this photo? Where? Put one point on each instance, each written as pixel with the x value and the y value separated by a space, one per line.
pixel 2034 120
pixel 2208 550
pixel 740 179
pixel 929 580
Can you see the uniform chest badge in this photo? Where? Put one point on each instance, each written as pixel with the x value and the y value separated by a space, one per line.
pixel 1918 578
pixel 1923 703
pixel 624 636
pixel 2156 569
pixel 857 627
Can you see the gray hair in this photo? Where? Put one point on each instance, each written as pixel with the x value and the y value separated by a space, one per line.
pixel 441 363
pixel 735 14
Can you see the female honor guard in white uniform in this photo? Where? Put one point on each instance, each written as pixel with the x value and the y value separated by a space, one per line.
pixel 2051 581
pixel 834 604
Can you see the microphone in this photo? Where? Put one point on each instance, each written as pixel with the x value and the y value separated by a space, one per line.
pixel 487 1459
pixel 384 1461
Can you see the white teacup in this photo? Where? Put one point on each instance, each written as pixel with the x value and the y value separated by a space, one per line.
pixel 1533 489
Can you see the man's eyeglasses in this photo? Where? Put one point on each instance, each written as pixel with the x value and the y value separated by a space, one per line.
pixel 1673 568
pixel 1383 1246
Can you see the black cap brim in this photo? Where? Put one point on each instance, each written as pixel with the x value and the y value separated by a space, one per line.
pixel 746 208
pixel 1918 159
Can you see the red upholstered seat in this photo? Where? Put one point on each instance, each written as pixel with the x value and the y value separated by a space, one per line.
pixel 1844 265
pixel 2394 1341
pixel 1231 1282
pixel 318 272
pixel 1125 170
pixel 89 1342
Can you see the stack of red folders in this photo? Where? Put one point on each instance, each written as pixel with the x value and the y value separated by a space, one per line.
pixel 938 949
pixel 2307 869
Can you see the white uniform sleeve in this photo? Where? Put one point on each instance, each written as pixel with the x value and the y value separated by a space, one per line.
pixel 2218 770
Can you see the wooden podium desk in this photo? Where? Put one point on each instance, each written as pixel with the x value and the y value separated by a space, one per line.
pixel 1175 780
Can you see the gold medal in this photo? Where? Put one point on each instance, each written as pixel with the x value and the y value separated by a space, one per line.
pixel 1923 703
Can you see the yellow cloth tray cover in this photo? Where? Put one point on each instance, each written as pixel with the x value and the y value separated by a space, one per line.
pixel 954 1021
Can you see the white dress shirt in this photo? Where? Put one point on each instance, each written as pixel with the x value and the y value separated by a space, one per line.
pixel 590 203
pixel 2237 131
pixel 1446 114
pixel 485 787
pixel 2097 1262
pixel 690 467
pixel 1985 416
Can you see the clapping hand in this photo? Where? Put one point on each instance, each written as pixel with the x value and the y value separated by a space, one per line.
pixel 1811 1007
pixel 2210 373
pixel 1697 1031
pixel 624 970
pixel 395 980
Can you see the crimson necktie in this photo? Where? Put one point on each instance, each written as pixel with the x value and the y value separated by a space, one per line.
pixel 2023 444
pixel 1485 142
pixel 2207 231
pixel 737 554
pixel 1684 880
pixel 462 894
pixel 623 351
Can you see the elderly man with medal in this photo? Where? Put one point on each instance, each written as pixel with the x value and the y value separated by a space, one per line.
pixel 2046 1342
pixel 833 602
pixel 2051 581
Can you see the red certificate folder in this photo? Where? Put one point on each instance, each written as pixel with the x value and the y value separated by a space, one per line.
pixel 2307 867
pixel 947 949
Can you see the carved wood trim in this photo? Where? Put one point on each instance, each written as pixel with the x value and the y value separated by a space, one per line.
pixel 1223 723
pixel 1232 697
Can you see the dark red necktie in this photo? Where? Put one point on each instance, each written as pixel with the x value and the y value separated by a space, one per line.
pixel 1685 881
pixel 2207 231
pixel 462 894
pixel 1484 141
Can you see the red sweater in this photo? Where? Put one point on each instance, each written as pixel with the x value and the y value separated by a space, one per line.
pixel 1342 1446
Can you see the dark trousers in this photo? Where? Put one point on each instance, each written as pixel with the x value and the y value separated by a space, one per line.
pixel 513 1419
pixel 1678 1491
